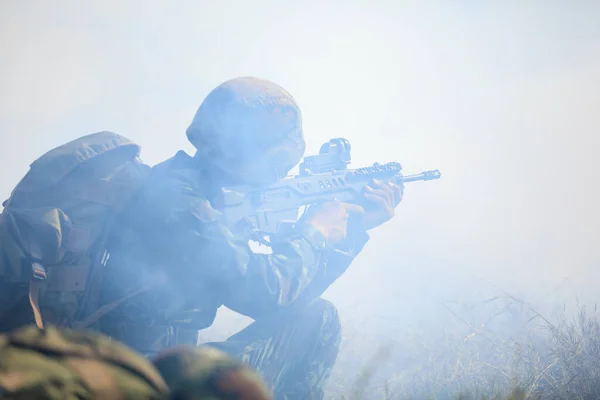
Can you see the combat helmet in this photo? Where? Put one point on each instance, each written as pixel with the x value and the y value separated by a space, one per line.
pixel 207 373
pixel 250 129
pixel 60 363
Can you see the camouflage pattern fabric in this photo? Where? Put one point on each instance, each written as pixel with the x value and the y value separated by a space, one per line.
pixel 205 373
pixel 172 239
pixel 57 363
pixel 62 364
pixel 295 351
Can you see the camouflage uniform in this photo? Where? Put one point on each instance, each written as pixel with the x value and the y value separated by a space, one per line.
pixel 172 241
pixel 63 364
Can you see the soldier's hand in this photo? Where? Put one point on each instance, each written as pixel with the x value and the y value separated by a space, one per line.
pixel 331 219
pixel 382 199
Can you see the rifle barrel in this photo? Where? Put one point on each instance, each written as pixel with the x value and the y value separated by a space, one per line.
pixel 423 176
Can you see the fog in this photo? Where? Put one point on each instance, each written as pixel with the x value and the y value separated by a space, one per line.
pixel 502 97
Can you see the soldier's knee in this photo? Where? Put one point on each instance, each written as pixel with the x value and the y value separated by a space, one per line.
pixel 327 320
pixel 327 311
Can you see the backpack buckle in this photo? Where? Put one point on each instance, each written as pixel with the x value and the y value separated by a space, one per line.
pixel 38 270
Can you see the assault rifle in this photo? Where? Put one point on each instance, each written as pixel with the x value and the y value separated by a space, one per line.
pixel 323 177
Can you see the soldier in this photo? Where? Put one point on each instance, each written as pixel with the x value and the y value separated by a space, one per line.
pixel 170 238
pixel 168 261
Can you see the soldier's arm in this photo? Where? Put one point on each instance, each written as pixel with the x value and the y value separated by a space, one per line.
pixel 250 283
pixel 334 264
pixel 298 271
pixel 255 284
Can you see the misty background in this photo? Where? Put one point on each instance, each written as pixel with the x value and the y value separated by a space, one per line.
pixel 501 96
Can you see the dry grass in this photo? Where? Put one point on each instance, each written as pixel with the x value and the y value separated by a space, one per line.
pixel 501 348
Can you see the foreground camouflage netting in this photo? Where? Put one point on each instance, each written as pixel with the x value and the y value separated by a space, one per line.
pixel 65 364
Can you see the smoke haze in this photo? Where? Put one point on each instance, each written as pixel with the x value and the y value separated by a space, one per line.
pixel 502 97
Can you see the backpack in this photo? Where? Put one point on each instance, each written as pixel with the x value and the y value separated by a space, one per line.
pixel 64 364
pixel 54 225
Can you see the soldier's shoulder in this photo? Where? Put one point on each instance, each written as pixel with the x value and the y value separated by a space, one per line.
pixel 177 171
pixel 180 160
